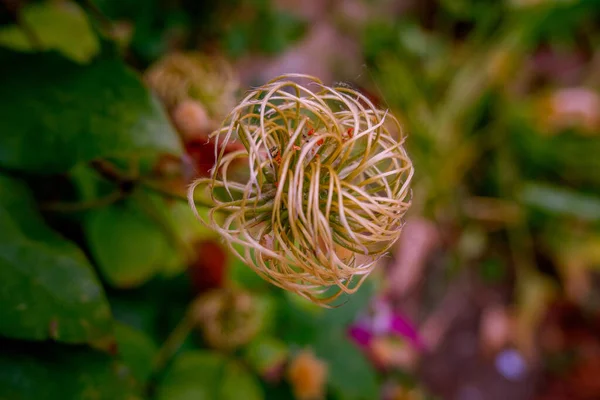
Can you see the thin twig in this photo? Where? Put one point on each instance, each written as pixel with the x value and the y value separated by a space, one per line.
pixel 173 342
pixel 98 14
pixel 110 172
pixel 153 186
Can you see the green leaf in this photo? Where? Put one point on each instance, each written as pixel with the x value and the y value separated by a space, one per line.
pixel 177 217
pixel 56 113
pixel 302 322
pixel 567 156
pixel 127 245
pixel 136 350
pixel 194 375
pixel 36 371
pixel 49 289
pixel 280 391
pixel 136 310
pixel 61 26
pixel 238 383
pixel 199 375
pixel 349 305
pixel 243 275
pixel 350 375
pixel 266 353
pixel 561 201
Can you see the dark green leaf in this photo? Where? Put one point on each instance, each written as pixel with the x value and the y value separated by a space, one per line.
pixel 56 113
pixel 48 290
pixel 569 157
pixel 280 391
pixel 136 350
pixel 55 372
pixel 135 310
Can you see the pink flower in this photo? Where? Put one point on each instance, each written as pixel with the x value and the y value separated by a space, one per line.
pixel 382 320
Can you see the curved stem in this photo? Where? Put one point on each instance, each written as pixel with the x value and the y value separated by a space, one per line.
pixel 155 187
pixel 103 20
pixel 109 171
pixel 174 341
pixel 112 173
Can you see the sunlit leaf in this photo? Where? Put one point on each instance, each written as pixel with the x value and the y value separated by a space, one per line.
pixel 61 26
pixel 127 245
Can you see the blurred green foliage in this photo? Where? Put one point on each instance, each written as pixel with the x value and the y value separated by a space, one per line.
pixel 239 27
pixel 501 101
pixel 95 242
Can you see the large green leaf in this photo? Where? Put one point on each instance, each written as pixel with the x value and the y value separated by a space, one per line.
pixel 126 244
pixel 49 289
pixel 55 372
pixel 56 25
pixel 199 375
pixel 56 113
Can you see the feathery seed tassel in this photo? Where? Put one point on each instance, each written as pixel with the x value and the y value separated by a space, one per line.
pixel 326 189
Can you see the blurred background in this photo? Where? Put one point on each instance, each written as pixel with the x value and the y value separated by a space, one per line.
pixel 491 293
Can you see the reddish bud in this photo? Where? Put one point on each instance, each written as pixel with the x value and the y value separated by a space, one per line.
pixel 208 270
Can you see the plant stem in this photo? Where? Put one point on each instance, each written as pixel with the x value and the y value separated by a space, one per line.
pixel 153 186
pixel 104 22
pixel 174 341
pixel 110 172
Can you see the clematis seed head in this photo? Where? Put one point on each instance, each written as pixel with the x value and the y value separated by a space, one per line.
pixel 325 189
